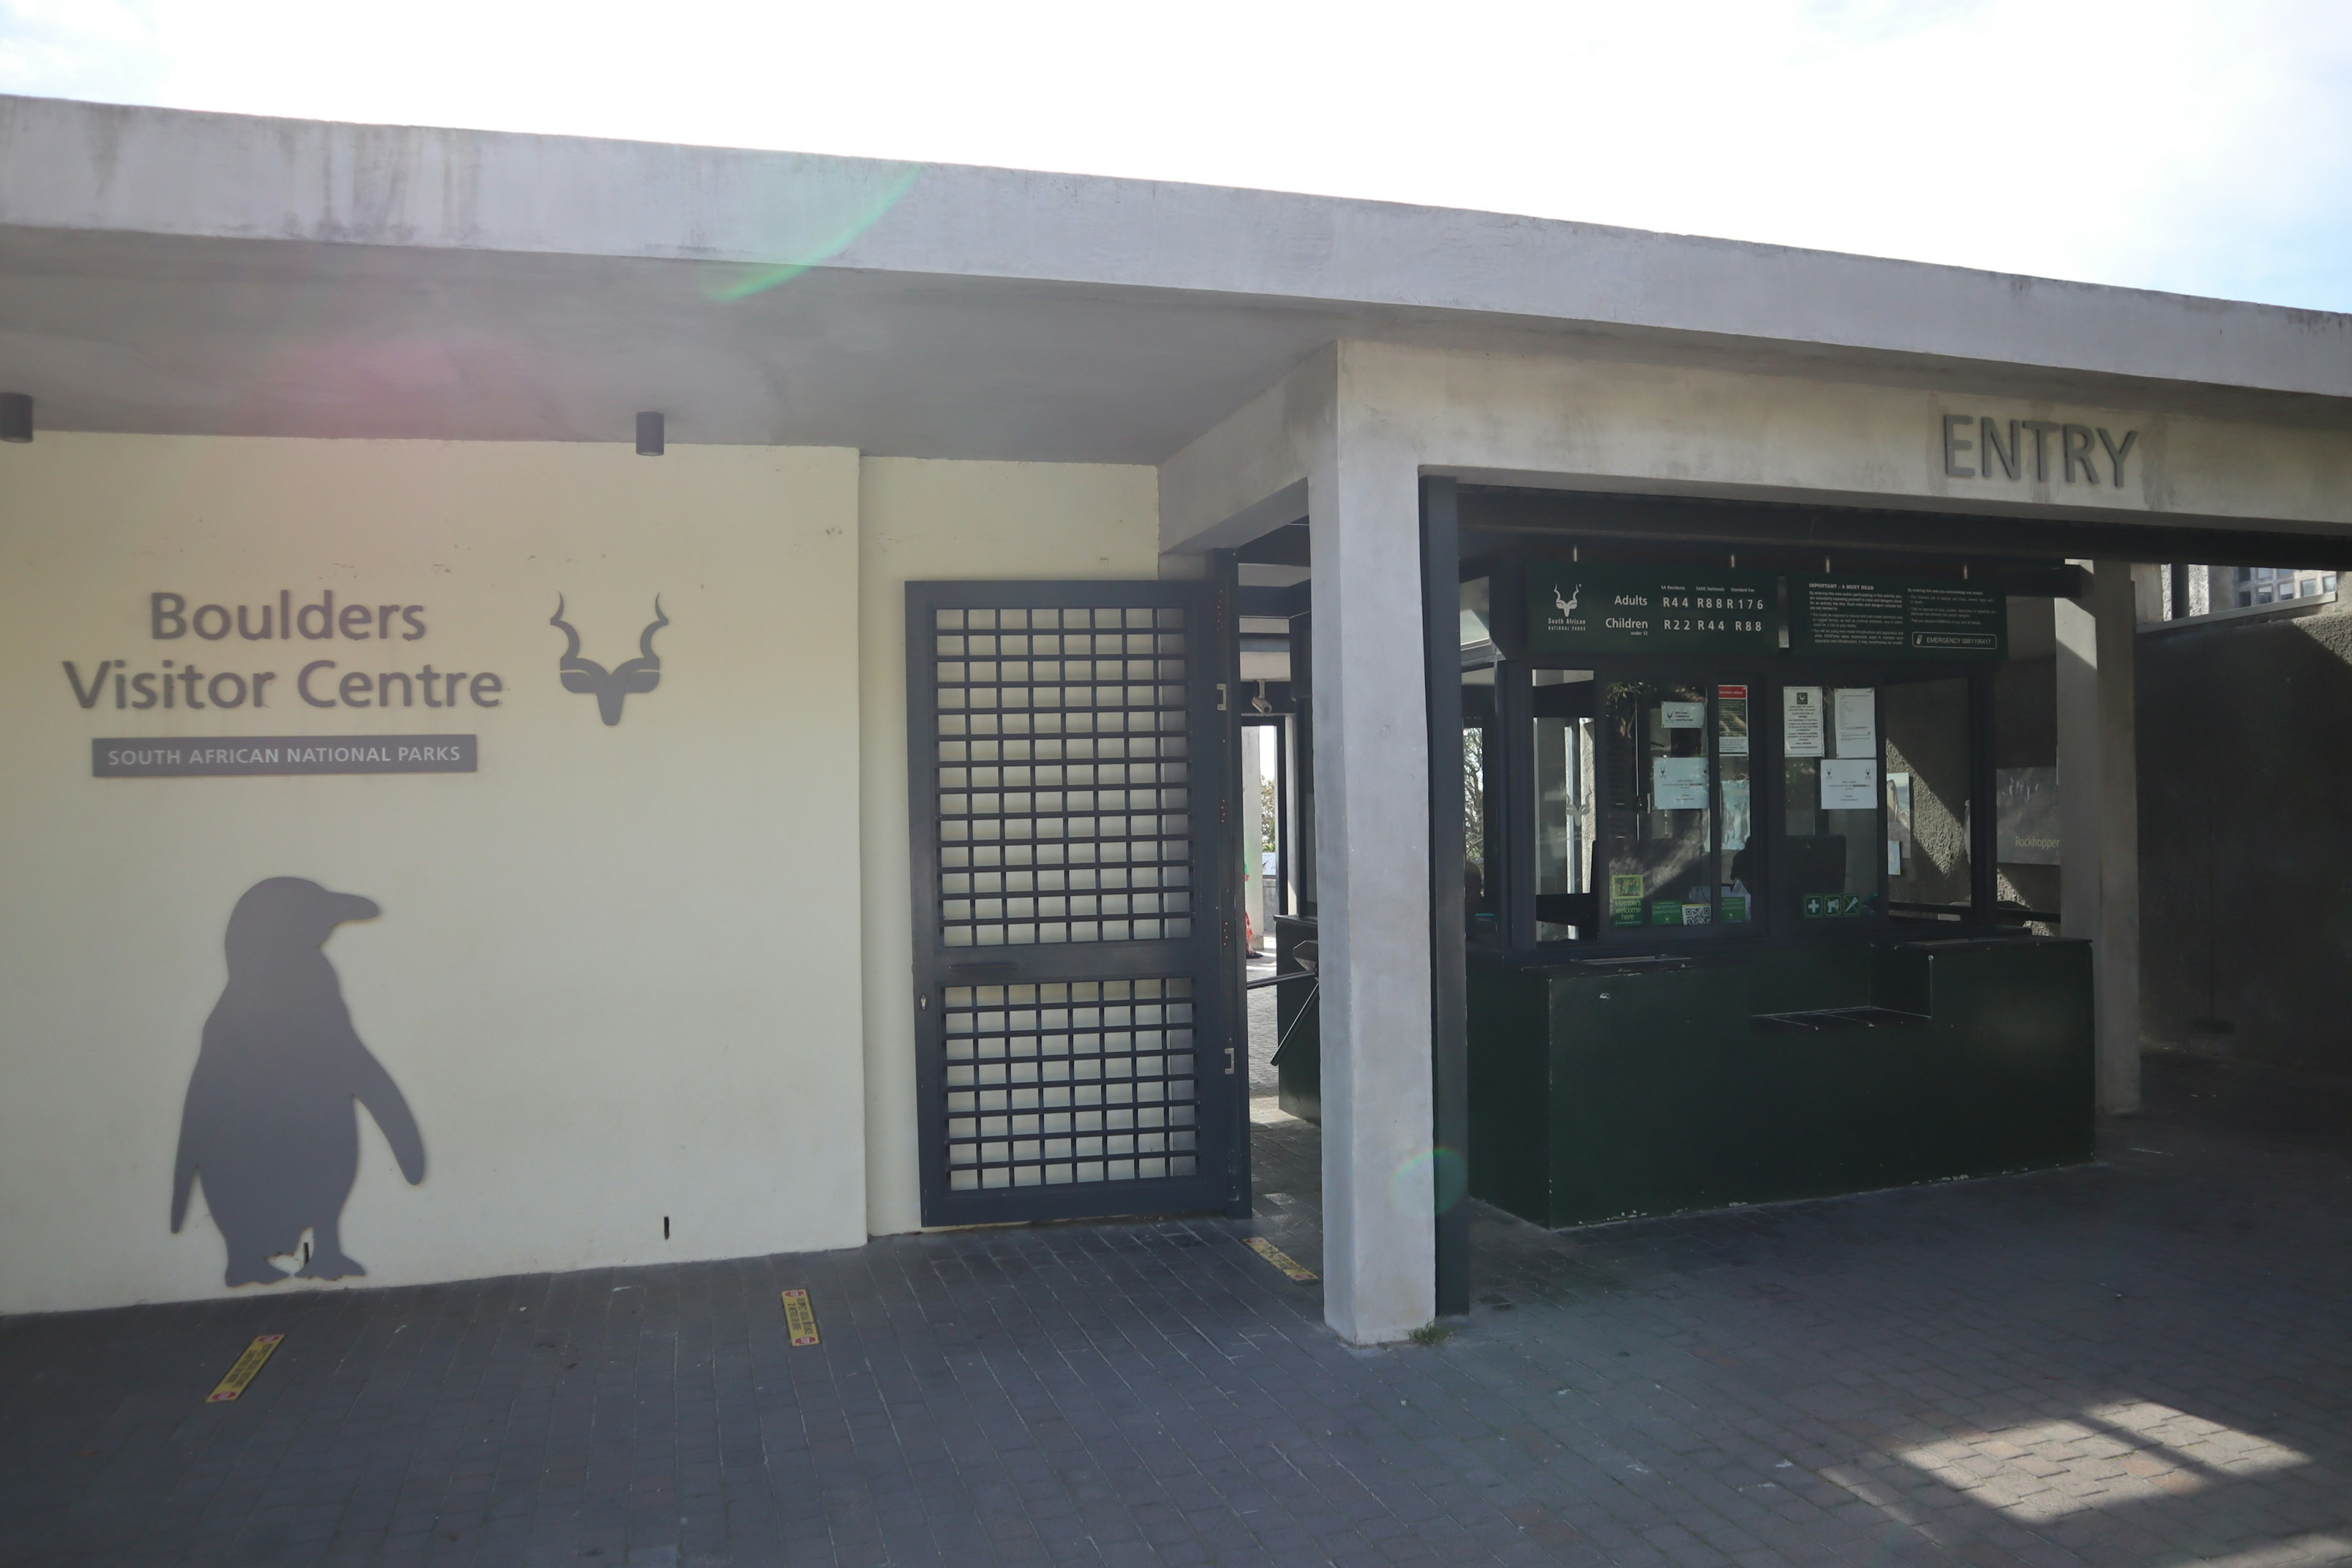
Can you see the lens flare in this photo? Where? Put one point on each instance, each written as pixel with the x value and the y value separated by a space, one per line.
pixel 814 221
pixel 1435 1178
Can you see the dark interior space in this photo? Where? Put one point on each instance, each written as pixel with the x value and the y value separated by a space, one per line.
pixel 2245 746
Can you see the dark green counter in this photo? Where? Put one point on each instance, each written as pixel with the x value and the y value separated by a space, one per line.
pixel 1604 1089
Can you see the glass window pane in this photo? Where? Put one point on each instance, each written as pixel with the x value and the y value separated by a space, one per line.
pixel 1739 874
pixel 1482 825
pixel 1563 790
pixel 1478 621
pixel 1928 767
pixel 1834 865
pixel 1660 819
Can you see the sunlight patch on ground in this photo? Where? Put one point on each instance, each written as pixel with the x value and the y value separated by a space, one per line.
pixel 2118 1453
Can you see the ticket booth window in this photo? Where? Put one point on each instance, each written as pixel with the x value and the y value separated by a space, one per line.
pixel 1739 859
pixel 1930 806
pixel 1562 723
pixel 1661 818
pixel 1652 760
pixel 1834 867
pixel 1482 810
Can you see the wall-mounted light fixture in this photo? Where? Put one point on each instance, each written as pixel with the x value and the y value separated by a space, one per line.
pixel 16 416
pixel 649 435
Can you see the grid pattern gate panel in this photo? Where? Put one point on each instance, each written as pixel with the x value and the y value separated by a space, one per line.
pixel 1084 1081
pixel 1063 775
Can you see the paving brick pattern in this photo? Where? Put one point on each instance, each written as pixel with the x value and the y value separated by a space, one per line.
pixel 2142 1362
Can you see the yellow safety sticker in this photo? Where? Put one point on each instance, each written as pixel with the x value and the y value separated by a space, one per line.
pixel 800 1316
pixel 247 1367
pixel 1279 1259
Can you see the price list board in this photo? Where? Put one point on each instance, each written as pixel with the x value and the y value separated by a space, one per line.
pixel 1651 610
pixel 1896 617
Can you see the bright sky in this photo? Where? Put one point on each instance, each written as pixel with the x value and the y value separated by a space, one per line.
pixel 2197 145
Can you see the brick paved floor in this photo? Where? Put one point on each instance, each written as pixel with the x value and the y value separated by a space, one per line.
pixel 2142 1362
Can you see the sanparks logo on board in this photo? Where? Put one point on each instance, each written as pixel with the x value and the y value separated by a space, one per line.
pixel 1648 609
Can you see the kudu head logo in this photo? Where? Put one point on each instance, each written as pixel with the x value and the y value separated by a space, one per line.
pixel 1566 606
pixel 637 675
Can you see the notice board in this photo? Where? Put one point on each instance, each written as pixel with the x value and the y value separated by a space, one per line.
pixel 1898 617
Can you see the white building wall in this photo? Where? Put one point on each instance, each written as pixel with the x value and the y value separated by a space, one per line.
pixel 615 970
pixel 920 520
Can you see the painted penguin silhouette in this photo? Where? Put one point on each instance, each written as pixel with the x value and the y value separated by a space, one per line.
pixel 269 1118
pixel 630 677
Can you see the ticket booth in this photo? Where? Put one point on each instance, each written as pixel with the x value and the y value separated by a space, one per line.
pixel 1734 929
pixel 1737 923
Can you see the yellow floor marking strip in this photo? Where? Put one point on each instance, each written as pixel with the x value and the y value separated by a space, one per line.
pixel 1279 1259
pixel 247 1367
pixel 800 1316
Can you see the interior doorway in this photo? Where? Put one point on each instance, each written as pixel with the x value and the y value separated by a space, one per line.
pixel 1274 726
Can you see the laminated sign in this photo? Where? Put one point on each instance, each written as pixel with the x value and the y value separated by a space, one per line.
pixel 1906 617
pixel 1649 609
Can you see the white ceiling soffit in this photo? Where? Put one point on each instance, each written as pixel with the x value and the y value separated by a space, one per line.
pixel 168 270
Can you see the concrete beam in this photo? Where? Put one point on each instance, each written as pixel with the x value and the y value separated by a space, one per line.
pixel 109 169
pixel 1583 423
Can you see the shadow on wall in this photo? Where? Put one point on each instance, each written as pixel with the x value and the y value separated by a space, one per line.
pixel 2245 751
pixel 269 1120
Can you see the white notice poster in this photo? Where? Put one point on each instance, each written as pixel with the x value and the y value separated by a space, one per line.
pixel 1850 783
pixel 1857 722
pixel 1800 720
pixel 1678 784
pixel 1683 715
pixel 1734 815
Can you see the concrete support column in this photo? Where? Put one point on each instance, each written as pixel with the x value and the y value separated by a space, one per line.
pixel 1371 833
pixel 2098 784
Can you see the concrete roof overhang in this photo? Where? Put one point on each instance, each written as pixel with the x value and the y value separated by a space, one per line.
pixel 176 272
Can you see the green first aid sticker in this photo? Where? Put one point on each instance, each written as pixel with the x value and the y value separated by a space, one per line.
pixel 1832 906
